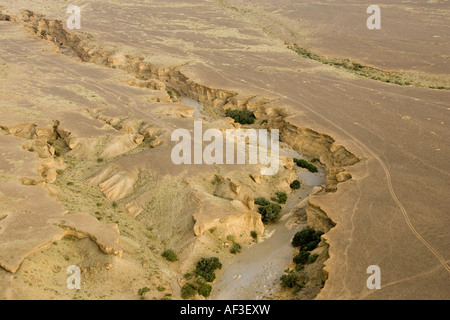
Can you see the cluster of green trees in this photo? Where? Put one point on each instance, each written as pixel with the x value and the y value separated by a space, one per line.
pixel 204 272
pixel 307 240
pixel 281 197
pixel 241 116
pixel 261 201
pixel 305 164
pixel 269 211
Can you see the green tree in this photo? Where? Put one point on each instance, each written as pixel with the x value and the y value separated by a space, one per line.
pixel 281 197
pixel 312 258
pixel 205 290
pixel 310 245
pixel 261 201
pixel 170 255
pixel 206 266
pixel 305 164
pixel 295 185
pixel 270 213
pixel 289 279
pixel 241 116
pixel 306 236
pixel 209 264
pixel 301 258
pixel 188 291
pixel 201 280
pixel 208 276
pixel 236 248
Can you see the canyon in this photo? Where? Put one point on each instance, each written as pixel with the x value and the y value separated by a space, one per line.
pixel 87 176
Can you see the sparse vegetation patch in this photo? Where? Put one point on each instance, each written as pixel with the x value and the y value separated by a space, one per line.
pixel 170 255
pixel 241 116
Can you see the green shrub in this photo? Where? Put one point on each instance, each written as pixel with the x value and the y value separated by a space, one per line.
pixel 205 290
pixel 208 264
pixel 261 202
pixel 254 235
pixel 170 255
pixel 143 291
pixel 188 291
pixel 298 287
pixel 281 197
pixel 312 258
pixel 201 280
pixel 299 267
pixel 306 236
pixel 236 248
pixel 241 116
pixel 305 164
pixel 208 276
pixel 270 213
pixel 295 185
pixel 114 204
pixel 99 160
pixel 289 279
pixel 301 258
pixel 230 237
pixel 216 179
pixel 160 289
pixel 310 245
pixel 188 276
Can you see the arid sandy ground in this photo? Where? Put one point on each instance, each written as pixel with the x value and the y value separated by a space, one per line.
pixel 392 213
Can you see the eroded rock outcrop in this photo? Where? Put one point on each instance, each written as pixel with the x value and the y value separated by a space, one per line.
pixel 317 219
pixel 114 181
pixel 83 225
pixel 31 219
pixel 234 216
